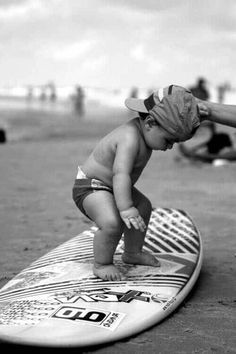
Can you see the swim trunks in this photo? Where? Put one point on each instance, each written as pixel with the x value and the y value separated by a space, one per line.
pixel 84 186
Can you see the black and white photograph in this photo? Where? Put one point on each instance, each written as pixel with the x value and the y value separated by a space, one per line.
pixel 118 176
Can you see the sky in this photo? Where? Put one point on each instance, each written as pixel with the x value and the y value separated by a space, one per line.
pixel 117 43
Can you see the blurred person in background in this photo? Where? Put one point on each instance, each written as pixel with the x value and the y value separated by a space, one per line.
pixel 79 101
pixel 219 146
pixel 200 90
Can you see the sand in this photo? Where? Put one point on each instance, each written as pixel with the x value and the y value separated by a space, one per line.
pixel 38 166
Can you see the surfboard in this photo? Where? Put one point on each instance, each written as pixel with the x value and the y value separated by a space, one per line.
pixel 58 302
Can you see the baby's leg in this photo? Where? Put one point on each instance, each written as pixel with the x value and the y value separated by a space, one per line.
pixel 134 239
pixel 101 208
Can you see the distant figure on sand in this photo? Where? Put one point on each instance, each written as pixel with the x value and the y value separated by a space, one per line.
pixel 52 91
pixel 221 90
pixel 43 95
pixel 79 101
pixel 200 91
pixel 30 93
pixel 134 92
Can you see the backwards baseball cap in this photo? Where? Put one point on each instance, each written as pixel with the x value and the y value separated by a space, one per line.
pixel 174 108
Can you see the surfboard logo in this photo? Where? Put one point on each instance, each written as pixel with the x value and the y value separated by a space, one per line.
pixel 160 298
pixel 100 318
pixel 106 295
pixel 169 303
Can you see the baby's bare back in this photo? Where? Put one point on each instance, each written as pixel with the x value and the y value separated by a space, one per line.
pixel 100 163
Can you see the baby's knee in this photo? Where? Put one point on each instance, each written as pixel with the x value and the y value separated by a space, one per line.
pixel 113 226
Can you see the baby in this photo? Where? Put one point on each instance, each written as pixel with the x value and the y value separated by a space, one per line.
pixel 104 189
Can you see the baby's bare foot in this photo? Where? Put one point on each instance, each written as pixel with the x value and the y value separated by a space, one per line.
pixel 142 258
pixel 107 272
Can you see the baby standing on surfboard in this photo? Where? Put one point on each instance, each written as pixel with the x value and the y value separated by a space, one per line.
pixel 104 189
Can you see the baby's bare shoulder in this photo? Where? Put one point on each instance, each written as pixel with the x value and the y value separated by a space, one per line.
pixel 129 131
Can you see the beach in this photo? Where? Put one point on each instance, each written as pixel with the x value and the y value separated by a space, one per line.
pixel 38 167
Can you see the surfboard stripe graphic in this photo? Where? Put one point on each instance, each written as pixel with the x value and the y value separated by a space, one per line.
pixel 178 235
pixel 73 250
pixel 163 238
pixel 71 247
pixel 169 244
pixel 78 248
pixel 154 244
pixel 179 241
pixel 179 217
pixel 65 258
pixel 184 224
pixel 179 223
pixel 171 280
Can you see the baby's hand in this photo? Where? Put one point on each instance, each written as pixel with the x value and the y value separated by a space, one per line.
pixel 131 217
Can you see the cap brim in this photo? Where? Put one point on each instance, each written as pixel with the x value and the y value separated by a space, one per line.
pixel 136 104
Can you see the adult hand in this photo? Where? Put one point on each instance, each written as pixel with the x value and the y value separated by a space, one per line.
pixel 203 110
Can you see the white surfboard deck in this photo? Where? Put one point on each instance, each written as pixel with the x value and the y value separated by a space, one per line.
pixel 58 302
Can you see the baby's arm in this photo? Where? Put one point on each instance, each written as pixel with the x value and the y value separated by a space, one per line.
pixel 126 152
